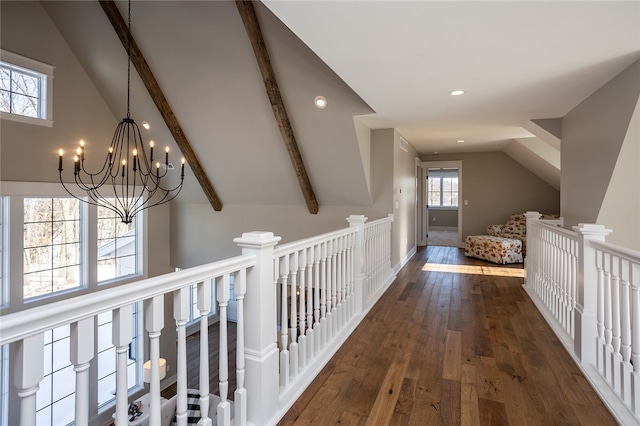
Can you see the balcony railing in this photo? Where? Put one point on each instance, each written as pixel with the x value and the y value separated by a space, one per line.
pixel 295 306
pixel 589 292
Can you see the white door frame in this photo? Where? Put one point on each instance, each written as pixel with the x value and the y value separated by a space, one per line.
pixel 422 171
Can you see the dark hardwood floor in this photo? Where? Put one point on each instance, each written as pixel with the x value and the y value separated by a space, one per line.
pixel 451 348
pixel 454 341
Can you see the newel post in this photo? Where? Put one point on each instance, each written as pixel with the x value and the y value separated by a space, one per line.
pixel 587 298
pixel 358 221
pixel 261 363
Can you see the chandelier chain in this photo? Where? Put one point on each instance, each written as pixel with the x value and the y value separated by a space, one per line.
pixel 129 62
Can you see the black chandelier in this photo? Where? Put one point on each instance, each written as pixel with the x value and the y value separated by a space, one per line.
pixel 128 179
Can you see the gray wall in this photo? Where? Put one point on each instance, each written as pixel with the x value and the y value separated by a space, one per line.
pixel 200 235
pixel 443 218
pixel 29 152
pixel 497 186
pixel 592 137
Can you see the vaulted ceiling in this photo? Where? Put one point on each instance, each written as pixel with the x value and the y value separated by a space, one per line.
pixel 386 64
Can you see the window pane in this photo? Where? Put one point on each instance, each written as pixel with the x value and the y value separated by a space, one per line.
pixel 64 383
pixel 51 245
pixel 64 411
pixel 5 79
pixel 21 91
pixel 24 105
pixel 117 247
pixel 106 389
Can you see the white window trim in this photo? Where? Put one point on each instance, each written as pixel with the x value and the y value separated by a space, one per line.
pixel 49 189
pixel 46 99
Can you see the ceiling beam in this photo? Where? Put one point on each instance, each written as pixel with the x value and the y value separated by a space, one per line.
pixel 251 25
pixel 150 82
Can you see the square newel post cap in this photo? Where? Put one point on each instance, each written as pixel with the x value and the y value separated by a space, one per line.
pixel 257 239
pixel 592 229
pixel 356 219
pixel 532 215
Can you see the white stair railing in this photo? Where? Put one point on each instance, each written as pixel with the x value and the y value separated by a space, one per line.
pixel 589 293
pixel 321 287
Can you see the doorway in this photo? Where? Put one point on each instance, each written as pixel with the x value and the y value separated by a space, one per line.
pixel 439 203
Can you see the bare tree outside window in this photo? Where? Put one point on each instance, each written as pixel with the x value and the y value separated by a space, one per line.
pixel 442 189
pixel 20 91
pixel 51 245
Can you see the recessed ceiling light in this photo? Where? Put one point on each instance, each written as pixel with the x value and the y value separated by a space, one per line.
pixel 146 125
pixel 320 102
pixel 435 152
pixel 460 140
pixel 456 92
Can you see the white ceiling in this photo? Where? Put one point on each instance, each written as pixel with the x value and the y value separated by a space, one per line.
pixel 516 61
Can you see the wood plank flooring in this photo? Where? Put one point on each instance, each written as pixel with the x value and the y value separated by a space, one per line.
pixel 443 348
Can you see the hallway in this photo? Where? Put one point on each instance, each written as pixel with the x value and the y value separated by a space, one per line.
pixel 454 341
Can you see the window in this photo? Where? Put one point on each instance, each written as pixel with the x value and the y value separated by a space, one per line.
pixel 55 401
pixel 25 89
pixel 51 246
pixel 117 246
pixel 442 188
pixel 107 357
pixel 62 240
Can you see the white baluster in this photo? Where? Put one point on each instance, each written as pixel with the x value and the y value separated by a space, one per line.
pixel 29 371
pixel 634 279
pixel 317 252
pixel 310 301
pixel 625 348
pixel 204 306
pixel 82 345
pixel 600 312
pixel 302 339
pixel 154 323
pixel 181 308
pixel 615 303
pixel 224 408
pixel 293 318
pixel 332 317
pixel 121 335
pixel 240 395
pixel 323 295
pixel 339 284
pixel 284 322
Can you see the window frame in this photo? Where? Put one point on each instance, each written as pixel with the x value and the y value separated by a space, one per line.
pixel 44 72
pixel 440 175
pixel 13 194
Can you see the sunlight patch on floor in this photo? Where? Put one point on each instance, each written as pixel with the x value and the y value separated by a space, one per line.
pixel 475 270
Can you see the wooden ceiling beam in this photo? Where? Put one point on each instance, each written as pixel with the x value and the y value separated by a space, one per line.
pixel 137 59
pixel 251 25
